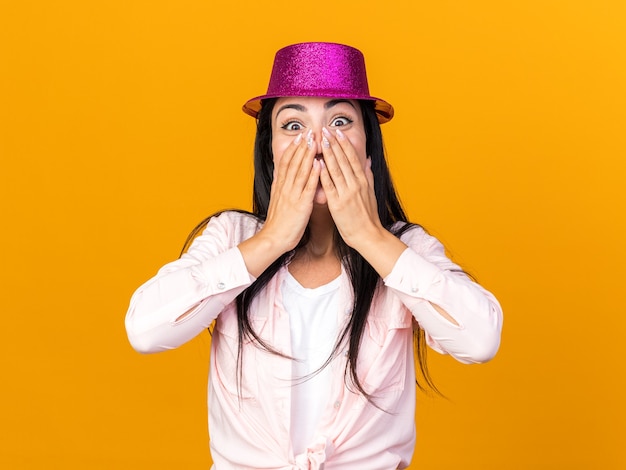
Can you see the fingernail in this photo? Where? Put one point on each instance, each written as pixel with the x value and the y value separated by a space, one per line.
pixel 326 132
pixel 309 138
pixel 325 142
pixel 298 139
pixel 340 135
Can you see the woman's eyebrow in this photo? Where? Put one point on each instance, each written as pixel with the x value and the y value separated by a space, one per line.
pixel 297 107
pixel 327 105
pixel 331 103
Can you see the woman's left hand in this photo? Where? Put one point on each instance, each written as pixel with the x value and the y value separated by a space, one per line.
pixel 348 183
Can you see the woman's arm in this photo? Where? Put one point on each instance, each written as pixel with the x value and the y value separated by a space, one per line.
pixel 428 283
pixel 458 316
pixel 186 295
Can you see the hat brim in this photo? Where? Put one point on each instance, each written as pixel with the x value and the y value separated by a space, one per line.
pixel 384 110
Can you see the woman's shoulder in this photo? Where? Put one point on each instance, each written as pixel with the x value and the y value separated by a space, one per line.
pixel 223 230
pixel 237 223
pixel 237 217
pixel 408 230
pixel 416 237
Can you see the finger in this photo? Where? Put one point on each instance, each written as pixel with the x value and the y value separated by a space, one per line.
pixel 346 154
pixel 291 160
pixel 303 173
pixel 331 159
pixel 283 171
pixel 351 162
pixel 327 182
pixel 314 177
pixel 369 174
pixel 280 170
pixel 337 149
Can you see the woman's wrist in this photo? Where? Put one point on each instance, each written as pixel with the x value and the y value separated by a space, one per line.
pixel 381 249
pixel 260 251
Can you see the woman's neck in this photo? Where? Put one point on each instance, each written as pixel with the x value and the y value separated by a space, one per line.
pixel 321 242
pixel 317 263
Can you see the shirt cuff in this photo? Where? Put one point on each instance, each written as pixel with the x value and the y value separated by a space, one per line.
pixel 412 274
pixel 224 272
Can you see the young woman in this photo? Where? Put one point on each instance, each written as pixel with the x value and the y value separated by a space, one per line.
pixel 318 294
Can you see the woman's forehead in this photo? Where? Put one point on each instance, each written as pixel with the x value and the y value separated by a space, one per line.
pixel 312 103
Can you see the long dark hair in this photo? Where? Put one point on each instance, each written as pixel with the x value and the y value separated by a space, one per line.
pixel 364 279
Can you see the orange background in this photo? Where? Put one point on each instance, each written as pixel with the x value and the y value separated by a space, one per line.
pixel 120 128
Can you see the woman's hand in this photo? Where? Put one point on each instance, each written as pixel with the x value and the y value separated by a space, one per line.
pixel 296 176
pixel 293 189
pixel 348 183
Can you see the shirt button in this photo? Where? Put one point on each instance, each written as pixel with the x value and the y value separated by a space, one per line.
pixel 337 404
pixel 346 354
pixel 414 289
pixel 348 311
pixel 221 285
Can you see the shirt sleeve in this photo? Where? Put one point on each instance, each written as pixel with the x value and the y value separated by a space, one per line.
pixel 202 282
pixel 423 275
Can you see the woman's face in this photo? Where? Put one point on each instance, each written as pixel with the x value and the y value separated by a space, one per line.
pixel 292 116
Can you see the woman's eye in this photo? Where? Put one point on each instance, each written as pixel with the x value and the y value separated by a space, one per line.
pixel 292 126
pixel 341 121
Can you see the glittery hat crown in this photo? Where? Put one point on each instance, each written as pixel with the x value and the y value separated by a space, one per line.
pixel 319 69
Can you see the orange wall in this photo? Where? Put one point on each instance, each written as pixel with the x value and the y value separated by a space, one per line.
pixel 120 128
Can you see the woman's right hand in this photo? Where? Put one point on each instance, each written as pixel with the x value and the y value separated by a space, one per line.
pixel 296 177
